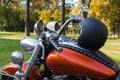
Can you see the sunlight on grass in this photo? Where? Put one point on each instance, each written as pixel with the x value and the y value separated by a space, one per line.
pixel 7 46
pixel 112 46
pixel 112 49
pixel 14 35
pixel 113 39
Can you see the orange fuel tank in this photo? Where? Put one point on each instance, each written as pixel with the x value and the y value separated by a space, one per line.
pixel 70 62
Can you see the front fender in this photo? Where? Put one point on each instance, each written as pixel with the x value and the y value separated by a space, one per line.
pixel 11 68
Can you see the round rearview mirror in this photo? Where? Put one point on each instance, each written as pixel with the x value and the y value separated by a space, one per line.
pixel 38 27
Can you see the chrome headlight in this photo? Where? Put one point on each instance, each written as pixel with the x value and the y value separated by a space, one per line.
pixel 29 44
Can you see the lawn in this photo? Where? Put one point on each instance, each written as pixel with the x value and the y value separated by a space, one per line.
pixel 112 49
pixel 9 42
pixel 7 46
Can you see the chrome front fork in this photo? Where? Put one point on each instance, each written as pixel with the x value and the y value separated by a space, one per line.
pixel 32 60
pixel 17 59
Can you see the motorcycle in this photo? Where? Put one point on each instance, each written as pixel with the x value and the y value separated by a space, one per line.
pixel 55 56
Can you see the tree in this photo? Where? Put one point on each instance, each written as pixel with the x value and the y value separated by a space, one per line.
pixel 45 15
pixel 9 16
pixel 46 10
pixel 63 11
pixel 57 15
pixel 116 4
pixel 107 11
pixel 27 18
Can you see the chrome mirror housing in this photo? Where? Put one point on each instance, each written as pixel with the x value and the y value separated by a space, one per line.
pixel 38 27
pixel 17 57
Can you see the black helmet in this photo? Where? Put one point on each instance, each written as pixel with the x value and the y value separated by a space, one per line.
pixel 93 34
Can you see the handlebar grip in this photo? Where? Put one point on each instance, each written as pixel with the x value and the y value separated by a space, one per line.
pixel 55 44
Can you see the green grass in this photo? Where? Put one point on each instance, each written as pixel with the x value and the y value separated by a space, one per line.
pixel 112 49
pixel 9 42
pixel 7 46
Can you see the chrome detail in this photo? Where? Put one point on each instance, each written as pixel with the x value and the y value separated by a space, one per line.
pixel 31 61
pixel 28 44
pixel 43 52
pixel 19 74
pixel 62 28
pixel 70 42
pixel 3 73
pixel 52 26
pixel 37 27
pixel 17 57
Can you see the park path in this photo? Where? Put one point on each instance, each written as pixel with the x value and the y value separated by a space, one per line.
pixel 109 51
pixel 112 43
pixel 113 51
pixel 11 38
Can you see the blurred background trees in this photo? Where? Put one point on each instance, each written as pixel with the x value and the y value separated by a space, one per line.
pixel 109 12
pixel 12 15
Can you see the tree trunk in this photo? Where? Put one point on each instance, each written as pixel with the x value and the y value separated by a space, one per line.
pixel 63 13
pixel 27 18
pixel 119 23
pixel 119 30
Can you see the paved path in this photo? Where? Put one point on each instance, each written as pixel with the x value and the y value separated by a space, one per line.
pixel 10 38
pixel 112 43
pixel 111 51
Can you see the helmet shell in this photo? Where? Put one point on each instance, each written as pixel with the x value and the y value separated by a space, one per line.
pixel 93 35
